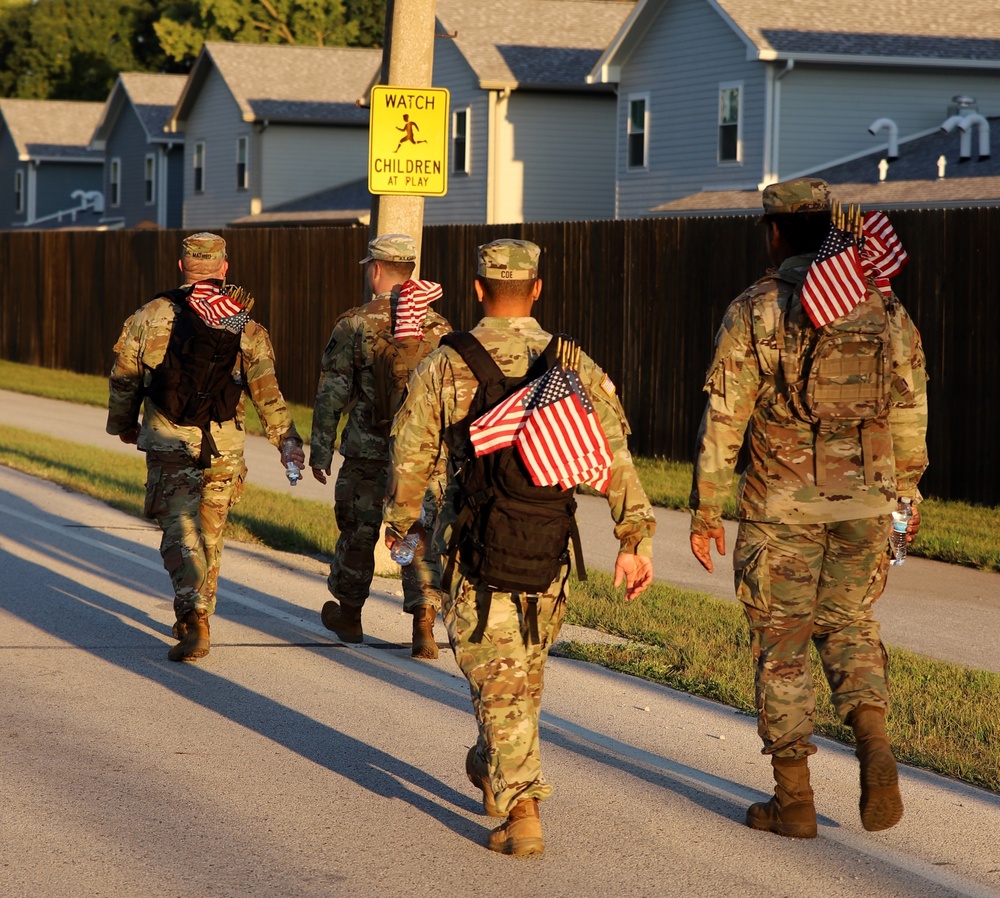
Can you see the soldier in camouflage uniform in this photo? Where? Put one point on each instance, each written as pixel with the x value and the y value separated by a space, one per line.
pixel 347 384
pixel 189 502
pixel 505 669
pixel 814 508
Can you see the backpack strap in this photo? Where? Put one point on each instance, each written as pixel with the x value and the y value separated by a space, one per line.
pixel 476 356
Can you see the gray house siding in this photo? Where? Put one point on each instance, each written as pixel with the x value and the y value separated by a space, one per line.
pixel 297 160
pixel 557 155
pixel 127 142
pixel 826 111
pixel 465 201
pixel 56 181
pixel 680 63
pixel 9 164
pixel 216 121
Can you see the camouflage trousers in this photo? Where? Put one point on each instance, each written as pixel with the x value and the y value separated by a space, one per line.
pixel 819 583
pixel 505 671
pixel 359 496
pixel 191 505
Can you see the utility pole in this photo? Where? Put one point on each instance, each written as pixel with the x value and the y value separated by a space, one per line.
pixel 407 60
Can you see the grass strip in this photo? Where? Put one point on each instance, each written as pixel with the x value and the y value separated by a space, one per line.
pixel 955 532
pixel 944 716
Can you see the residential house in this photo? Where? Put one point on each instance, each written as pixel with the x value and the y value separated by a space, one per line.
pixel 530 140
pixel 268 123
pixel 143 164
pixel 49 177
pixel 947 168
pixel 727 95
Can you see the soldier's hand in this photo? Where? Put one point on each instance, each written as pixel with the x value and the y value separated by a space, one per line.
pixel 701 546
pixel 320 474
pixel 636 571
pixel 913 526
pixel 132 436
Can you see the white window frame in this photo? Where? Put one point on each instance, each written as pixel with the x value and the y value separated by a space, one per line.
pixel 466 166
pixel 115 182
pixel 632 130
pixel 198 170
pixel 19 191
pixel 724 87
pixel 149 179
pixel 243 148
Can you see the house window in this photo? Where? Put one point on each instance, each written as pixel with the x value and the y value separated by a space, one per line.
pixel 637 130
pixel 730 145
pixel 115 182
pixel 150 179
pixel 19 191
pixel 199 168
pixel 460 141
pixel 242 169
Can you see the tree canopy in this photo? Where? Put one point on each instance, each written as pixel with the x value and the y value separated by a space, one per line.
pixel 74 49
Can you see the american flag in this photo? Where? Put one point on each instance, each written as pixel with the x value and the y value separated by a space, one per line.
pixel 414 298
pixel 882 255
pixel 216 308
pixel 554 427
pixel 835 282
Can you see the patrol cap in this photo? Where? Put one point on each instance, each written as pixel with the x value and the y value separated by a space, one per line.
pixel 509 260
pixel 391 248
pixel 204 247
pixel 798 195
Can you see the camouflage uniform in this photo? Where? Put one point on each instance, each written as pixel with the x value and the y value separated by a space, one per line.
pixel 504 670
pixel 810 558
pixel 347 384
pixel 189 503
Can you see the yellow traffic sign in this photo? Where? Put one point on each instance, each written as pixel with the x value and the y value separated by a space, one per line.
pixel 408 141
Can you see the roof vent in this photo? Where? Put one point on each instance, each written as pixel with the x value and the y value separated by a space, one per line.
pixel 962 105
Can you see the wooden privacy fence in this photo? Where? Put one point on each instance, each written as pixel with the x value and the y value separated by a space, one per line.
pixel 644 297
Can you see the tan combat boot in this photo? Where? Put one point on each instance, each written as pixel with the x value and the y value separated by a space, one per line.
pixel 344 621
pixel 424 644
pixel 521 835
pixel 194 637
pixel 791 811
pixel 881 804
pixel 475 770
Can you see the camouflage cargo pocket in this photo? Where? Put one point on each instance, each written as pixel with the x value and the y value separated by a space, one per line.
pixel 155 505
pixel 239 487
pixel 750 571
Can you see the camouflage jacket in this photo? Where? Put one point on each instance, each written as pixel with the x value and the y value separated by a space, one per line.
pixel 141 348
pixel 344 386
pixel 746 401
pixel 440 394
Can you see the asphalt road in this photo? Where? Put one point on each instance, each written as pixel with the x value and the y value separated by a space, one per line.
pixel 939 610
pixel 287 764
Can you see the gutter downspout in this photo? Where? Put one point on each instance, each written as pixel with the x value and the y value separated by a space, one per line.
pixel 496 119
pixel 772 128
pixel 256 163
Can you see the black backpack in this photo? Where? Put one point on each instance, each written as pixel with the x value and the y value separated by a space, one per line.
pixel 194 383
pixel 513 536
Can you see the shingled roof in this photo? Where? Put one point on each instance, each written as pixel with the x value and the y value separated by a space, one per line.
pixel 286 84
pixel 895 32
pixel 535 44
pixel 52 129
pixel 152 96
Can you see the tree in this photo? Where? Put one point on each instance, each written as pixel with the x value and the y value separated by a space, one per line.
pixel 186 24
pixel 74 49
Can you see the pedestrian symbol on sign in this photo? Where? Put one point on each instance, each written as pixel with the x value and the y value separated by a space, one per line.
pixel 408 129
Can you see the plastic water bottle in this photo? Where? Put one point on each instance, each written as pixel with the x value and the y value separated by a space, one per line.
pixel 293 473
pixel 402 553
pixel 900 520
